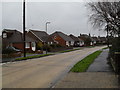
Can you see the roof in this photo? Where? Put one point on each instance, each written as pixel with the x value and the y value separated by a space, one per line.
pixel 29 39
pixel 15 36
pixel 85 36
pixel 64 36
pixel 42 35
pixel 95 38
pixel 102 38
pixel 75 38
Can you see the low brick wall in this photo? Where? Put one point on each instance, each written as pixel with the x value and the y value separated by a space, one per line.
pixel 18 54
pixel 60 49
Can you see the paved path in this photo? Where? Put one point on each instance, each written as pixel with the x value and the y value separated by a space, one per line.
pixel 42 72
pixel 100 64
pixel 99 75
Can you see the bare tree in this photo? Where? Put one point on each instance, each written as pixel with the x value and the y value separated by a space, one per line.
pixel 107 15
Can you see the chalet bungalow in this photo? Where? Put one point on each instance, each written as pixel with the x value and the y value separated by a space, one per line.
pixel 41 36
pixel 77 41
pixel 15 38
pixel 62 39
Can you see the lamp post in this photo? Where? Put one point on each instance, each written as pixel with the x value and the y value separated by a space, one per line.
pixel 46 32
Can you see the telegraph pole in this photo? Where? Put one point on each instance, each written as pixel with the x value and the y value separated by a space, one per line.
pixel 24 28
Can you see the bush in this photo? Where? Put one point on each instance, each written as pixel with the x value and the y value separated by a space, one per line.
pixel 58 45
pixel 48 47
pixel 53 45
pixel 115 46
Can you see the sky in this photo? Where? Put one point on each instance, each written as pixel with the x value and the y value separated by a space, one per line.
pixel 67 17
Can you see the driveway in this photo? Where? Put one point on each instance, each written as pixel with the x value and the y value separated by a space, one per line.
pixel 42 72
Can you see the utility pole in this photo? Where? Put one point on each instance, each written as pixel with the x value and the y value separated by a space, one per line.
pixel 24 28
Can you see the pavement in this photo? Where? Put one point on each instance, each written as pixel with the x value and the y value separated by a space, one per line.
pixel 98 75
pixel 101 64
pixel 42 72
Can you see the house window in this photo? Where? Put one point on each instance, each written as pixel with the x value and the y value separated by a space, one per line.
pixel 48 42
pixel 67 43
pixel 4 35
pixel 51 42
pixel 33 44
pixel 27 45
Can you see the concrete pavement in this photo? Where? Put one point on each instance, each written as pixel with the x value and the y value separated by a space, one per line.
pixel 98 75
pixel 101 64
pixel 42 72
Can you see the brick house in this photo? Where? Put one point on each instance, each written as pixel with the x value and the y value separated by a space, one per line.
pixel 62 39
pixel 77 41
pixel 15 38
pixel 41 36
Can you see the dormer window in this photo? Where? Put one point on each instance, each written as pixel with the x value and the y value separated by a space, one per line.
pixel 4 35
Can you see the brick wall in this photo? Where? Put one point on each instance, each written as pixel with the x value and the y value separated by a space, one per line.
pixel 60 40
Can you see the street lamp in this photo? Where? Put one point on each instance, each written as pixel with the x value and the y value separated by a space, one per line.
pixel 46 25
pixel 46 32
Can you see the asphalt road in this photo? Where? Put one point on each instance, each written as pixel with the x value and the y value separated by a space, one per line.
pixel 42 72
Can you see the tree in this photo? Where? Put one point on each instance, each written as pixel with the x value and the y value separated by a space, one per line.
pixel 107 15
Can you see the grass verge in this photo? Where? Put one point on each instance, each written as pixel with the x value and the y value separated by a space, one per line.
pixel 30 57
pixel 83 65
pixel 69 50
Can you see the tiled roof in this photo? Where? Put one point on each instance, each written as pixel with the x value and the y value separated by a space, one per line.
pixel 64 36
pixel 75 38
pixel 41 34
pixel 16 36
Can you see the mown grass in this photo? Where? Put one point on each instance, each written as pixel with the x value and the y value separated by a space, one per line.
pixel 30 57
pixel 69 50
pixel 83 65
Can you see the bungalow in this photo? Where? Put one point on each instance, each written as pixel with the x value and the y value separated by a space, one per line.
pixel 15 38
pixel 102 40
pixel 62 39
pixel 77 41
pixel 41 36
pixel 88 41
pixel 95 40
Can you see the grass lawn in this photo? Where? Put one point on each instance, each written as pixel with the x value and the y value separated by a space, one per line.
pixel 69 50
pixel 83 65
pixel 30 57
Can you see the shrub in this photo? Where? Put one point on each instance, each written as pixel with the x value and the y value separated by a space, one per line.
pixel 115 46
pixel 53 45
pixel 58 45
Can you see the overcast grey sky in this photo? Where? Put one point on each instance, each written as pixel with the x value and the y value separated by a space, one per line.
pixel 68 17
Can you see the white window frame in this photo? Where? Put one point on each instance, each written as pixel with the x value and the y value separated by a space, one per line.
pixel 27 45
pixel 4 35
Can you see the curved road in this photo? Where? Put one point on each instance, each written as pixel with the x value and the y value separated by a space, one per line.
pixel 41 72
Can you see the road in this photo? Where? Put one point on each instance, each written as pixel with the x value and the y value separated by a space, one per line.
pixel 41 72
